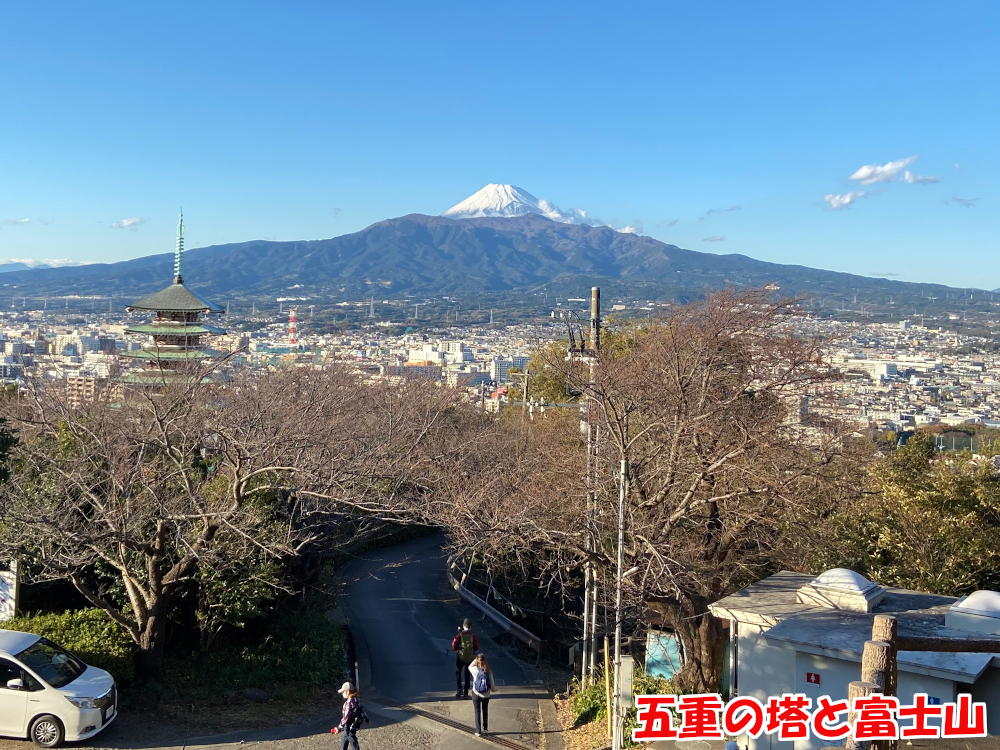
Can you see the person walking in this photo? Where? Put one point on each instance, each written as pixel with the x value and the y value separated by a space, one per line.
pixel 353 716
pixel 482 687
pixel 466 644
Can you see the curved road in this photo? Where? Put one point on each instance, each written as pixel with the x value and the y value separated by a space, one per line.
pixel 404 616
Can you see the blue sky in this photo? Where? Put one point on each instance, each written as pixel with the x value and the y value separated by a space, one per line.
pixel 312 119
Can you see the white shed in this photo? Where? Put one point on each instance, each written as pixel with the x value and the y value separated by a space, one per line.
pixel 793 633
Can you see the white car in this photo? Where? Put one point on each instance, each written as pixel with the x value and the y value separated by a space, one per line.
pixel 49 695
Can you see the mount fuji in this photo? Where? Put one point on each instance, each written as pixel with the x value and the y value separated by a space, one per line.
pixel 510 201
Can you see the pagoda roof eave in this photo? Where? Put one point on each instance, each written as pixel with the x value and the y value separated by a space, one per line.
pixel 175 298
pixel 154 355
pixel 180 329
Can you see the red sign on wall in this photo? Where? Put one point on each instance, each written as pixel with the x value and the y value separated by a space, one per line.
pixel 812 678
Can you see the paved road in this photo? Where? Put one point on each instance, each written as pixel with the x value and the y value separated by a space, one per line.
pixel 406 615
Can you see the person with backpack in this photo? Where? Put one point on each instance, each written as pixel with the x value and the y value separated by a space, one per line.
pixel 353 716
pixel 482 686
pixel 466 644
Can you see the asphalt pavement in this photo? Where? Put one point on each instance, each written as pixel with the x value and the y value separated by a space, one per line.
pixel 403 615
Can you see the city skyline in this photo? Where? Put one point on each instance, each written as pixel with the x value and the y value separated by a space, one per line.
pixel 860 142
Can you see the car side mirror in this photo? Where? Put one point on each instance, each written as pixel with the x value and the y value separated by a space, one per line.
pixel 15 684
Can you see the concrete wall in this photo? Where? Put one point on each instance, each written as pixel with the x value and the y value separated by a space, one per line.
pixel 835 674
pixel 767 669
pixel 764 670
pixel 987 690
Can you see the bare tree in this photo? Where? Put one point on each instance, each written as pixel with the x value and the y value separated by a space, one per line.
pixel 720 475
pixel 138 494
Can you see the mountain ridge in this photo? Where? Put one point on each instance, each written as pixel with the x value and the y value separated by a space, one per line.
pixel 420 254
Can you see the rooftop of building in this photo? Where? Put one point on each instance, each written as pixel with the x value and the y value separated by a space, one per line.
pixel 774 604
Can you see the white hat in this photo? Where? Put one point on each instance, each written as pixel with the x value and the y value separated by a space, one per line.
pixel 346 688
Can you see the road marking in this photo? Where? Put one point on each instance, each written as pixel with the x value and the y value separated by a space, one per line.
pixel 496 740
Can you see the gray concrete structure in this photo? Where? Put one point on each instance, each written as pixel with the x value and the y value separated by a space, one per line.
pixel 788 641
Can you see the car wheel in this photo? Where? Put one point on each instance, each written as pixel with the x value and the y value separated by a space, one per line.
pixel 47 731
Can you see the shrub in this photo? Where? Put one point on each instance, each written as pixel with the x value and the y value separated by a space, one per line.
pixel 590 703
pixel 644 684
pixel 89 633
pixel 301 648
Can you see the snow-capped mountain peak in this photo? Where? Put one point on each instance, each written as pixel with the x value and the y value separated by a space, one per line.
pixel 510 200
pixel 496 200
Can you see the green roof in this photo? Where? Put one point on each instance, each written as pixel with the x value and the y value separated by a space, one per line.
pixel 174 329
pixel 175 298
pixel 155 377
pixel 172 355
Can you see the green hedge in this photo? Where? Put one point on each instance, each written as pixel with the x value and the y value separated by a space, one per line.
pixel 88 633
pixel 301 648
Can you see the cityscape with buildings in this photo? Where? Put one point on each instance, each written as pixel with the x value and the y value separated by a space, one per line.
pixel 895 376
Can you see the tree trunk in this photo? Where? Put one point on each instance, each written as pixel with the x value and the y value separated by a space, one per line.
pixel 152 643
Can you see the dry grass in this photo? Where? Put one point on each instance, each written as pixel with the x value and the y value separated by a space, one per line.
pixel 592 736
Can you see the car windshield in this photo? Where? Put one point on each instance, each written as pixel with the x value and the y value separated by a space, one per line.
pixel 53 664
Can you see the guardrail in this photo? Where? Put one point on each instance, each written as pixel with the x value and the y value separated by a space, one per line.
pixel 526 637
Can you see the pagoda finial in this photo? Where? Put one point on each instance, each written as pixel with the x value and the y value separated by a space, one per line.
pixel 179 251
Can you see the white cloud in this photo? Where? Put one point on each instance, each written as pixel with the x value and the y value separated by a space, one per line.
pixel 714 238
pixel 15 222
pixel 661 224
pixel 51 262
pixel 127 223
pixel 711 211
pixel 966 202
pixel 919 179
pixel 872 173
pixel 843 201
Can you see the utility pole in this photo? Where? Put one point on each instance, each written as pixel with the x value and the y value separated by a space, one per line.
pixel 589 662
pixel 616 740
pixel 524 396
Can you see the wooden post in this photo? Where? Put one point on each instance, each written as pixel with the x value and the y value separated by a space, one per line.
pixel 875 663
pixel 885 628
pixel 859 689
pixel 607 686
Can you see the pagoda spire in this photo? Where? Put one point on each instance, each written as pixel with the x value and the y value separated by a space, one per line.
pixel 179 251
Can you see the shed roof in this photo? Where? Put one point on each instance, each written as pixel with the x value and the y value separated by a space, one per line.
pixel 773 605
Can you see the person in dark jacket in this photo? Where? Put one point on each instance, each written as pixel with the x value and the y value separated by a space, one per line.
pixel 352 717
pixel 465 644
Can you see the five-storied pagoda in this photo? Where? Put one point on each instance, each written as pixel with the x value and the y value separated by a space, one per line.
pixel 175 333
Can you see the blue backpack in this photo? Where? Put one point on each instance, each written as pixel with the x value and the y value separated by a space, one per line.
pixel 482 682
